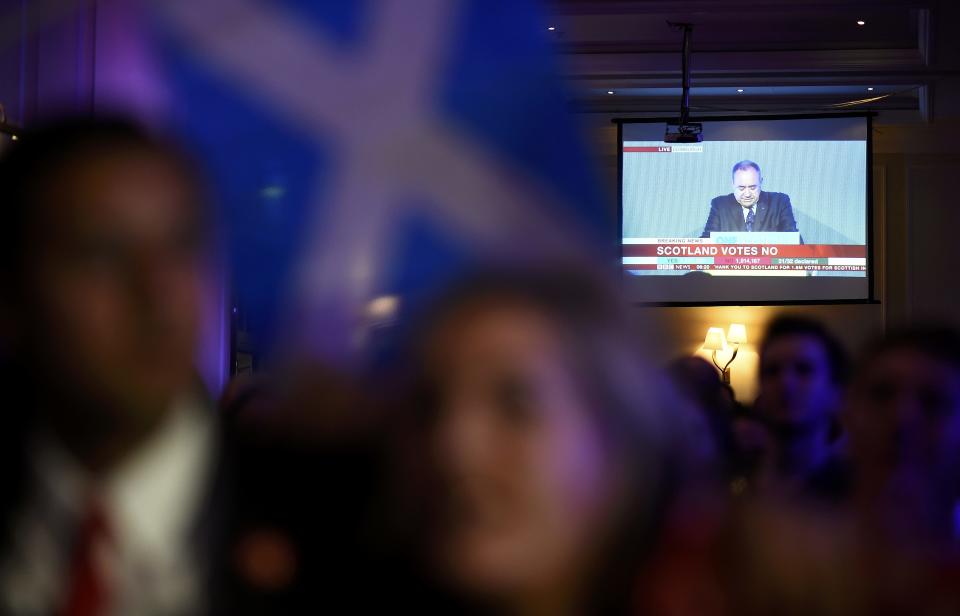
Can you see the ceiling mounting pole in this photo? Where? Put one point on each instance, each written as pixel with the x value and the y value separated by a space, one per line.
pixel 685 68
pixel 686 132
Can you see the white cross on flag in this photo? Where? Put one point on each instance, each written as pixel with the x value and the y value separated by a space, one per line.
pixel 375 147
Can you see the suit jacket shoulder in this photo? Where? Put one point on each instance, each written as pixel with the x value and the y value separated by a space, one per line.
pixel 722 200
pixel 777 198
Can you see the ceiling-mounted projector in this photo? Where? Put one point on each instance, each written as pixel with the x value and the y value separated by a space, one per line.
pixel 691 132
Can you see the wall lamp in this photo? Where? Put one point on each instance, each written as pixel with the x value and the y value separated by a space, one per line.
pixel 716 340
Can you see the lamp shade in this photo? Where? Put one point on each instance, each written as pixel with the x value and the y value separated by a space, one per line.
pixel 715 340
pixel 737 334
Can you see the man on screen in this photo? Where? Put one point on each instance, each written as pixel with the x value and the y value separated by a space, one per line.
pixel 748 208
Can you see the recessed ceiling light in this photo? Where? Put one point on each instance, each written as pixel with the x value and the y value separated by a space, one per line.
pixel 551 28
pixel 860 22
pixel 870 89
pixel 609 91
pixel 13 137
pixel 740 90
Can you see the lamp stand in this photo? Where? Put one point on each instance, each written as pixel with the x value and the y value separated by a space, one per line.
pixel 725 370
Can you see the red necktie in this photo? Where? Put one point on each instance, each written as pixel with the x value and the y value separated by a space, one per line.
pixel 87 592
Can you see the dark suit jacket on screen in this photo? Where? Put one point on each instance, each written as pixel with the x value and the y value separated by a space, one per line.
pixel 773 213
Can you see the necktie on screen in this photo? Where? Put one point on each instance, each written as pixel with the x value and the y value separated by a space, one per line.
pixel 87 592
pixel 750 218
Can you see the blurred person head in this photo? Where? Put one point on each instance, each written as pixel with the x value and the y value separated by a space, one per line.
pixel 700 380
pixel 747 181
pixel 903 415
pixel 803 371
pixel 697 380
pixel 542 438
pixel 102 277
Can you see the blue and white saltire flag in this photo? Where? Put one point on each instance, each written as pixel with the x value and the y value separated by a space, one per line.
pixel 363 148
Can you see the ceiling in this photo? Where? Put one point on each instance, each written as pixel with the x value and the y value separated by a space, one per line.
pixel 802 56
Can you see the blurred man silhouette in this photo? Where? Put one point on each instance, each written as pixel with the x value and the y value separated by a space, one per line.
pixel 103 278
pixel 123 492
pixel 803 370
pixel 904 423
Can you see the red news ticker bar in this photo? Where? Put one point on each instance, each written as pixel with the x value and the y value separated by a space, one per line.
pixel 647 148
pixel 820 251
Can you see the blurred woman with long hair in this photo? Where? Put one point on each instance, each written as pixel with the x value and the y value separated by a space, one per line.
pixel 536 446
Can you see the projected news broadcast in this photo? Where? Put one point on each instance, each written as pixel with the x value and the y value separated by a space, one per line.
pixel 761 211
